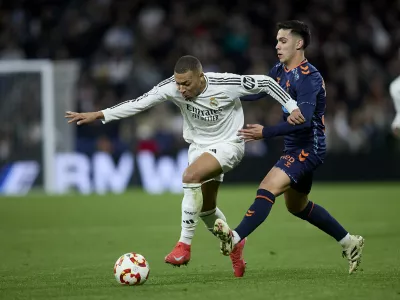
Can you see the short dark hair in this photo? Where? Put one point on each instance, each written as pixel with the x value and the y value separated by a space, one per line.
pixel 299 28
pixel 187 63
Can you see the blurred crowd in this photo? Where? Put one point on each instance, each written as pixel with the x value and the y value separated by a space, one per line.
pixel 125 47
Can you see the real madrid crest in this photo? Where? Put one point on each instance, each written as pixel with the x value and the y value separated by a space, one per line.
pixel 213 102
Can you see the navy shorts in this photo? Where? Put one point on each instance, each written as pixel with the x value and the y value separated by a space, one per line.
pixel 299 165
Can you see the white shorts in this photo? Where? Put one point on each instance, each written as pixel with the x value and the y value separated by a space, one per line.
pixel 228 154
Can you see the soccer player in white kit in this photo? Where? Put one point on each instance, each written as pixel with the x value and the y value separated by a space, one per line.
pixel 213 114
pixel 395 94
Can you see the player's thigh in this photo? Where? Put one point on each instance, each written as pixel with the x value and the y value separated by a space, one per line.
pixel 227 154
pixel 204 168
pixel 298 165
pixel 210 193
pixel 276 182
pixel 295 201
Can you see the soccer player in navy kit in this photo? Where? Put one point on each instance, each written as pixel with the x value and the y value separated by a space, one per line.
pixel 305 149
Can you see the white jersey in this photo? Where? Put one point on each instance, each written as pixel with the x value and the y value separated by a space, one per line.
pixel 395 94
pixel 216 114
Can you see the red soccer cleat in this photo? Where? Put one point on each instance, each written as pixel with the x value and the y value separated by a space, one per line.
pixel 238 263
pixel 179 256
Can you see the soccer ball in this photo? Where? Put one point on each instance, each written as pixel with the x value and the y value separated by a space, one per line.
pixel 131 269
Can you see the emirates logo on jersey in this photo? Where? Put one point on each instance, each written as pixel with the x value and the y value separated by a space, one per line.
pixel 209 115
pixel 213 102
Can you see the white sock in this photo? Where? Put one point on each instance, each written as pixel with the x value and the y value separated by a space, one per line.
pixel 345 242
pixel 236 237
pixel 210 216
pixel 191 206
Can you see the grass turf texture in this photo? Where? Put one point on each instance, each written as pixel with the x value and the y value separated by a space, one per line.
pixel 65 247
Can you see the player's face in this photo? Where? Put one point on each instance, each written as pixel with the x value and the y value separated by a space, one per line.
pixel 189 84
pixel 286 45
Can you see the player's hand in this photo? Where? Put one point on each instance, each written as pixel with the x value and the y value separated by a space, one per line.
pixel 83 118
pixel 253 132
pixel 296 117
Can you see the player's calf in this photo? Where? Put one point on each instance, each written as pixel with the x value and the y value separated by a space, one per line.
pixel 191 207
pixel 256 214
pixel 320 218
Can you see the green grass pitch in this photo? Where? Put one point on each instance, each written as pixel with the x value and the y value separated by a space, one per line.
pixel 65 247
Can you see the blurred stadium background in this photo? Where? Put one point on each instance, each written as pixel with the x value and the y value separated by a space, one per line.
pixel 106 51
pixel 102 52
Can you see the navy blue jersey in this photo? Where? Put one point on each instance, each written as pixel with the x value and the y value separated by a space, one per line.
pixel 305 85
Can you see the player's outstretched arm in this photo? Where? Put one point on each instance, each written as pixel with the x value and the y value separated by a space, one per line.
pixel 255 84
pixel 274 89
pixel 131 107
pixel 306 99
pixel 254 132
pixel 125 109
pixel 395 94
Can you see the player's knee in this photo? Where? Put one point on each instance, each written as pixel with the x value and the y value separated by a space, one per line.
pixel 191 176
pixel 294 208
pixel 273 186
pixel 295 205
pixel 276 181
pixel 272 189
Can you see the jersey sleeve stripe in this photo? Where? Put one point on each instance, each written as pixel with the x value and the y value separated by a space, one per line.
pixel 166 81
pixel 131 100
pixel 224 79
pixel 112 107
pixel 278 93
pixel 225 83
pixel 275 89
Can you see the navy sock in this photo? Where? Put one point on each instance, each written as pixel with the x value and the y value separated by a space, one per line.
pixel 319 217
pixel 257 213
